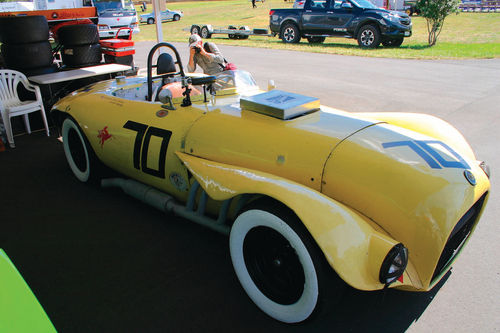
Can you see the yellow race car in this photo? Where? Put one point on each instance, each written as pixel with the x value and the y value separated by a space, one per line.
pixel 311 197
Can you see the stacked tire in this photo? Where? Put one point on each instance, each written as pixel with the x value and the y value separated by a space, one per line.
pixel 25 44
pixel 80 45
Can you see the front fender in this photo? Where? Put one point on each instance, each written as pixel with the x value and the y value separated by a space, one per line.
pixel 425 124
pixel 353 245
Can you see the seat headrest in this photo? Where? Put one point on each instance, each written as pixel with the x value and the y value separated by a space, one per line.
pixel 165 64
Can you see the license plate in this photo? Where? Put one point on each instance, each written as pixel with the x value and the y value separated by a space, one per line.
pixel 407 33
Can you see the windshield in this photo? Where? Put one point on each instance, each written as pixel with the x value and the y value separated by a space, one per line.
pixel 106 5
pixel 129 5
pixel 234 79
pixel 364 4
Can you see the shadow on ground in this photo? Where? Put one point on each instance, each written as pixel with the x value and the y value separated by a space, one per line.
pixel 98 261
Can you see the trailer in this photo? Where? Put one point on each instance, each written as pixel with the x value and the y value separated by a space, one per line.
pixel 232 31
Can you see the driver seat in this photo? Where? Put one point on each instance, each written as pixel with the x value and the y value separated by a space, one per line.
pixel 165 64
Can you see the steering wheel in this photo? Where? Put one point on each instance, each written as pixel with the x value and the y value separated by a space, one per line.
pixel 150 66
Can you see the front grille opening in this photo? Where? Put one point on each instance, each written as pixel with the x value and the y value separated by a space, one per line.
pixel 458 236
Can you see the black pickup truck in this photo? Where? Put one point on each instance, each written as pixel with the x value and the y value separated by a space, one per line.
pixel 359 19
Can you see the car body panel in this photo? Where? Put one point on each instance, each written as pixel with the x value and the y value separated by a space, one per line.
pixel 420 213
pixel 20 311
pixel 166 15
pixel 343 235
pixel 334 20
pixel 297 149
pixel 119 150
pixel 359 182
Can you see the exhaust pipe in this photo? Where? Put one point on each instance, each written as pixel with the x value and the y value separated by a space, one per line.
pixel 164 202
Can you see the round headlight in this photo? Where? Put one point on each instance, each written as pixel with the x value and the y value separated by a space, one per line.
pixel 394 264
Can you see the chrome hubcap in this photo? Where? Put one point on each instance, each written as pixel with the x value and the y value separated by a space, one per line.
pixel 289 34
pixel 367 37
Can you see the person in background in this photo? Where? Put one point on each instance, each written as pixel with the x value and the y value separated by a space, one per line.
pixel 207 56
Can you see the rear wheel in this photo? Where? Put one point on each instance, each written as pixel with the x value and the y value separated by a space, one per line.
pixel 151 20
pixel 79 154
pixel 290 33
pixel 195 30
pixel 205 33
pixel 279 265
pixel 368 37
pixel 244 28
pixel 231 36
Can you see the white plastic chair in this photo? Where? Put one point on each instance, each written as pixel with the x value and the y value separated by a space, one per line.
pixel 12 106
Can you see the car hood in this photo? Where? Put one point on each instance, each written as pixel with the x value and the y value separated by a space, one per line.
pixel 414 186
pixel 381 11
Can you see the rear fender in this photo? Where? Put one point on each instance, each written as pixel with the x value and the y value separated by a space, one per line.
pixel 291 20
pixel 353 245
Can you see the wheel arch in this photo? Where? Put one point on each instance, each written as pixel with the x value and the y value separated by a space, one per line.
pixel 289 21
pixel 58 117
pixel 367 21
pixel 353 246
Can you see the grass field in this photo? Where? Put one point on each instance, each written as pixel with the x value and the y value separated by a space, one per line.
pixel 466 35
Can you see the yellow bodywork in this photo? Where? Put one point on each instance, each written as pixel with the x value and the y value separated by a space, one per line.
pixel 357 192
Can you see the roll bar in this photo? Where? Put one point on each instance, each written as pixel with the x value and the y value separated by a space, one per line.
pixel 150 65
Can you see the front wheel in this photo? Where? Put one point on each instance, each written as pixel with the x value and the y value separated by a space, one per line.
pixel 279 265
pixel 368 37
pixel 393 42
pixel 151 21
pixel 290 33
pixel 177 17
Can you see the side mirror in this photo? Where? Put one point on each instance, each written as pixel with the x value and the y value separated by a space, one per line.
pixel 346 5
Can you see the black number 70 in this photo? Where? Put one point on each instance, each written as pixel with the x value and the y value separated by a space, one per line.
pixel 141 147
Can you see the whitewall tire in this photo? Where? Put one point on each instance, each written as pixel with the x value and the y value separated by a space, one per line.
pixel 274 265
pixel 77 151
